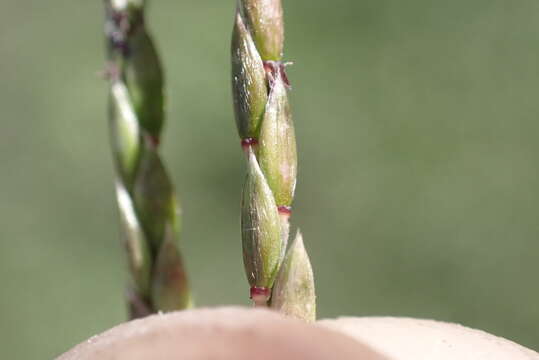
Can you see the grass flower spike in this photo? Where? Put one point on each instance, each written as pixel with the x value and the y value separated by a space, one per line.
pixel 146 199
pixel 263 118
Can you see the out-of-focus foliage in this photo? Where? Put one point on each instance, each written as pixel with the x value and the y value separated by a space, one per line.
pixel 418 189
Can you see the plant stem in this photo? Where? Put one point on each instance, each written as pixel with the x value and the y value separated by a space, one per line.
pixel 145 194
pixel 263 118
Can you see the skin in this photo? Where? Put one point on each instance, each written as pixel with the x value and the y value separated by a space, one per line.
pixel 415 339
pixel 247 334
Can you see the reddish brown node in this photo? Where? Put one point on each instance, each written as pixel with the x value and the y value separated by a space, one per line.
pixel 271 69
pixel 276 70
pixel 248 142
pixel 284 75
pixel 285 210
pixel 258 292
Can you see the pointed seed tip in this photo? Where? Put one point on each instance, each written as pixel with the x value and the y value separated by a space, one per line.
pixel 299 236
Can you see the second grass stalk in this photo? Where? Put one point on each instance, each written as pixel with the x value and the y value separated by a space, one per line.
pixel 145 193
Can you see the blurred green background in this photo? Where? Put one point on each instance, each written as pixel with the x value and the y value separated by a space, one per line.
pixel 418 190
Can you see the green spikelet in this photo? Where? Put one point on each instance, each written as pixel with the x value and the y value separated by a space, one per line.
pixel 294 293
